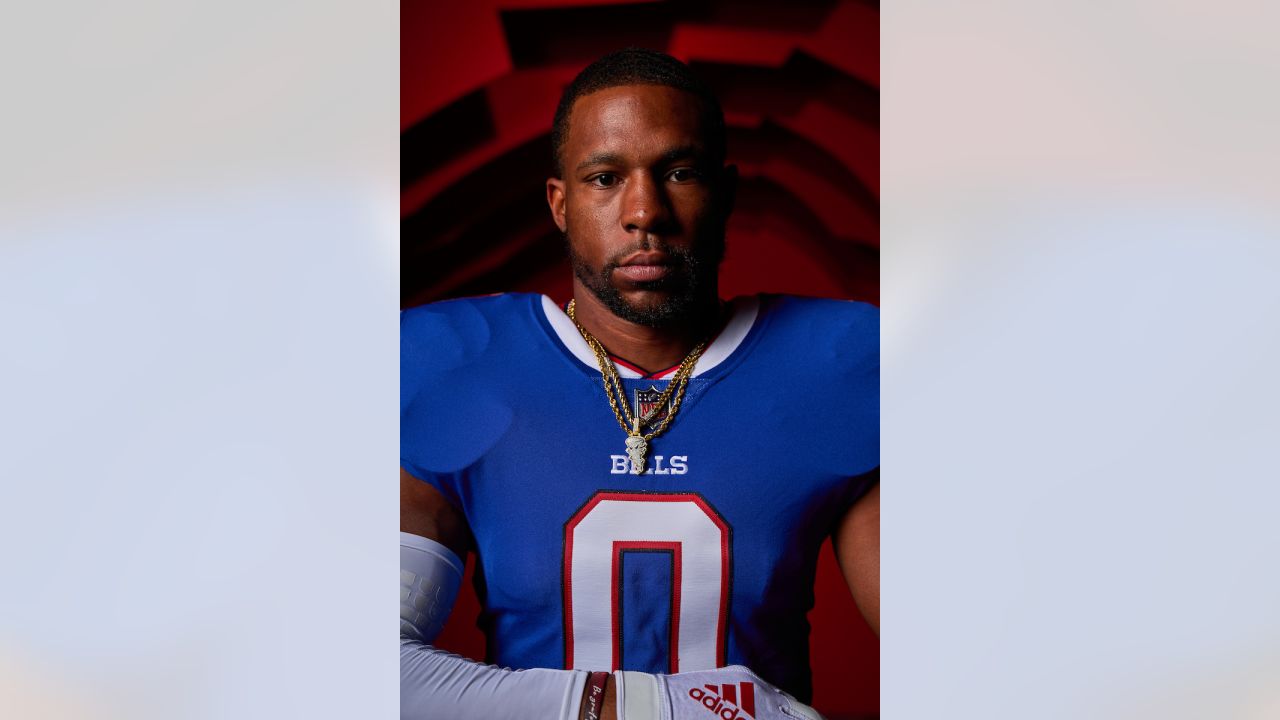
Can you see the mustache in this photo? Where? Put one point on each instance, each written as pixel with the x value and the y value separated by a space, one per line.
pixel 677 257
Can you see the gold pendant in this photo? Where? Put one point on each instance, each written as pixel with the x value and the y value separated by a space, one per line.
pixel 637 448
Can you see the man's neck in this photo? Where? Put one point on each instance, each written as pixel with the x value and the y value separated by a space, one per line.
pixel 649 348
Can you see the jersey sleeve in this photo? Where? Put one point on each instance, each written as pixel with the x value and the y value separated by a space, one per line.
pixel 858 345
pixel 860 485
pixel 449 416
pixel 841 382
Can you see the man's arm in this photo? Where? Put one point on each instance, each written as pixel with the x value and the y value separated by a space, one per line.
pixel 857 546
pixel 426 512
pixel 435 683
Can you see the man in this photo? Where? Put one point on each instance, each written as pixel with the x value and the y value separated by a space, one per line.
pixel 647 474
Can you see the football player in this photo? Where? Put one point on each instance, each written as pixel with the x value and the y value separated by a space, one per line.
pixel 646 474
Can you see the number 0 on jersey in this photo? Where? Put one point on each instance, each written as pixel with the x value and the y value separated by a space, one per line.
pixel 611 524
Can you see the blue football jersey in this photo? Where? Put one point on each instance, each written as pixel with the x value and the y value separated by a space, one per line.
pixel 706 559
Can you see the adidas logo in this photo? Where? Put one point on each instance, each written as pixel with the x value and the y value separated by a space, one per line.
pixel 727 701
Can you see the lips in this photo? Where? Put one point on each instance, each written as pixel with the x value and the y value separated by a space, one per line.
pixel 642 273
pixel 644 267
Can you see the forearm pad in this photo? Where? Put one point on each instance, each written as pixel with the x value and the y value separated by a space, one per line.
pixel 435 684
pixel 438 685
pixel 430 575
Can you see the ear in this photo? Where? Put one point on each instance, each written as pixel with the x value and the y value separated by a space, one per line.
pixel 728 190
pixel 555 200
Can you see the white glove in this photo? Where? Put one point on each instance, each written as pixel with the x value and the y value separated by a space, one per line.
pixel 729 693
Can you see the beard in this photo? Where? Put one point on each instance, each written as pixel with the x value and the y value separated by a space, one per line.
pixel 690 280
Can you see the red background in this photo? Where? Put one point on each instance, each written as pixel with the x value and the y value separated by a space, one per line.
pixel 799 82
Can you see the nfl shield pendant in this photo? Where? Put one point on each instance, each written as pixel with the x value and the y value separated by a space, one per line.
pixel 637 448
pixel 647 408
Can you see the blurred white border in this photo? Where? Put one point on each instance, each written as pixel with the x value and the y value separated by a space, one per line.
pixel 1080 340
pixel 198 300
pixel 198 293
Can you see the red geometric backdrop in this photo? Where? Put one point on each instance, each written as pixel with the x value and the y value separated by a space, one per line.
pixel 799 83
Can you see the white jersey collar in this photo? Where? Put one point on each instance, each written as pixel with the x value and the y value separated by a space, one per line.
pixel 744 311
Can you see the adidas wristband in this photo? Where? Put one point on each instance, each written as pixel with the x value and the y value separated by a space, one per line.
pixel 729 693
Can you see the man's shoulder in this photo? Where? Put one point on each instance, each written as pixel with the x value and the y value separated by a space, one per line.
pixel 495 305
pixel 845 324
pixel 821 308
pixel 454 333
pixel 457 357
pixel 464 319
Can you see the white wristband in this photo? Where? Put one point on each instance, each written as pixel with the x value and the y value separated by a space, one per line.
pixel 639 696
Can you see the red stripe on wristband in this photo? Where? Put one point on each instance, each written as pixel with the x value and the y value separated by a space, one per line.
pixel 595 694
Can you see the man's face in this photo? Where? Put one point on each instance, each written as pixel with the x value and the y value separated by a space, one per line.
pixel 643 202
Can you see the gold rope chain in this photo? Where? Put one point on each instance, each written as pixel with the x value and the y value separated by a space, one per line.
pixel 613 384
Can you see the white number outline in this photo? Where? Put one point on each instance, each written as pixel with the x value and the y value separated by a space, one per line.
pixel 618 544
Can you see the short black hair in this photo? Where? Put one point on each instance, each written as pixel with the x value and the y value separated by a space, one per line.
pixel 636 66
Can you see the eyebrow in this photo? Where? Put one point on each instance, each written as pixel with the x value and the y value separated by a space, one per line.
pixel 612 158
pixel 600 158
pixel 683 151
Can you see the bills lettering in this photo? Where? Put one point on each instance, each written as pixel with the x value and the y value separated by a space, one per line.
pixel 661 465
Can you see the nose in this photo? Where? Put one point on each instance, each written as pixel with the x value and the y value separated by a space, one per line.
pixel 644 207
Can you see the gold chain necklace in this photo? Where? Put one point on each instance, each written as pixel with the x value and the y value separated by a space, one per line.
pixel 637 442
